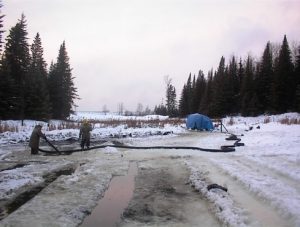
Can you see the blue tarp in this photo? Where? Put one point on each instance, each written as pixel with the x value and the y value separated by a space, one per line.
pixel 199 122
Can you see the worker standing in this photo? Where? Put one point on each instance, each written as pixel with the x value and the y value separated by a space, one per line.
pixel 34 140
pixel 84 134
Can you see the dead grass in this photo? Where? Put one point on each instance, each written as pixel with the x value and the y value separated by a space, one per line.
pixel 288 121
pixel 155 123
pixel 4 127
pixel 231 121
pixel 267 120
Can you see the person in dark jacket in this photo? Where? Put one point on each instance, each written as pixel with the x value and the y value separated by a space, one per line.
pixel 84 134
pixel 34 141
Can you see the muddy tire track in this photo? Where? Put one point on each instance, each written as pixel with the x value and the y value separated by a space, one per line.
pixel 163 197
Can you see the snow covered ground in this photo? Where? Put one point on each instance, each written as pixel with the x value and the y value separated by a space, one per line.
pixel 262 177
pixel 22 133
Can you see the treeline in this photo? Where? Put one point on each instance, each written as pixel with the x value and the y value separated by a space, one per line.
pixel 247 87
pixel 28 90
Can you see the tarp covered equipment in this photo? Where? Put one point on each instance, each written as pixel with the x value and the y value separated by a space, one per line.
pixel 199 122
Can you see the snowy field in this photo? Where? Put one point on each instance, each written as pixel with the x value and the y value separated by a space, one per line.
pixel 51 129
pixel 262 177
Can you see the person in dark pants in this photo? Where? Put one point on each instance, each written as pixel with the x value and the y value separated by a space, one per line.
pixel 84 134
pixel 34 141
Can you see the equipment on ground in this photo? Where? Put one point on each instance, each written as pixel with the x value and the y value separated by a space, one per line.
pixel 199 122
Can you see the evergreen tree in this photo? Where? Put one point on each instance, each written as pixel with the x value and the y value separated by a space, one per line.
pixel 248 95
pixel 7 92
pixel 218 101
pixel 264 80
pixel 171 103
pixel 61 86
pixel 15 62
pixel 1 26
pixel 297 81
pixel 241 74
pixel 160 110
pixel 198 92
pixel 231 88
pixel 206 101
pixel 189 91
pixel 283 87
pixel 183 102
pixel 36 95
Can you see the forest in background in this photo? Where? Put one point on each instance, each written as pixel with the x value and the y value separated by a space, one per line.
pixel 247 87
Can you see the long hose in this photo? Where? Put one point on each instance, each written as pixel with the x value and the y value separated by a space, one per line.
pixel 226 148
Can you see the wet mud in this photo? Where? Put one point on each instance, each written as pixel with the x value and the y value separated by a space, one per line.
pixel 10 205
pixel 163 197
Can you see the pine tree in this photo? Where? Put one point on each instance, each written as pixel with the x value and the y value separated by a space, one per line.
pixel 15 62
pixel 61 86
pixel 36 95
pixel 283 87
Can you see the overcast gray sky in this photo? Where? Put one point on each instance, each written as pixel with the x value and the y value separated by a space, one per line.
pixel 120 50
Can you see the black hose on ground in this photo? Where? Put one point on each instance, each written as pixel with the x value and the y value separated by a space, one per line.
pixel 224 149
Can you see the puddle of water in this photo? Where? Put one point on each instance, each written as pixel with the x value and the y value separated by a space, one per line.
pixel 110 208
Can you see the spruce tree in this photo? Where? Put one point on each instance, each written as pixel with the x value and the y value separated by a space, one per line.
pixel 264 80
pixel 248 96
pixel 61 86
pixel 283 87
pixel 231 88
pixel 217 108
pixel 206 101
pixel 15 62
pixel 171 103
pixel 241 74
pixel 183 102
pixel 7 92
pixel 198 92
pixel 36 95
pixel 1 26
pixel 297 81
pixel 189 91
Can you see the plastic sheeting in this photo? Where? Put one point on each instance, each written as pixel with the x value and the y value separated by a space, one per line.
pixel 199 122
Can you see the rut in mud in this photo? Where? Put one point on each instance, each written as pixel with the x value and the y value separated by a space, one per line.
pixel 8 206
pixel 163 197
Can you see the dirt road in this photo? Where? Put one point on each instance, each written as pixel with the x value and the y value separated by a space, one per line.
pixel 170 187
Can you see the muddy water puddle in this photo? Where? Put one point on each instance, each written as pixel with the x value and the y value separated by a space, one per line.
pixel 110 208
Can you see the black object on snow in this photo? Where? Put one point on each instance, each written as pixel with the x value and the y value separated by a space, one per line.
pixel 212 186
